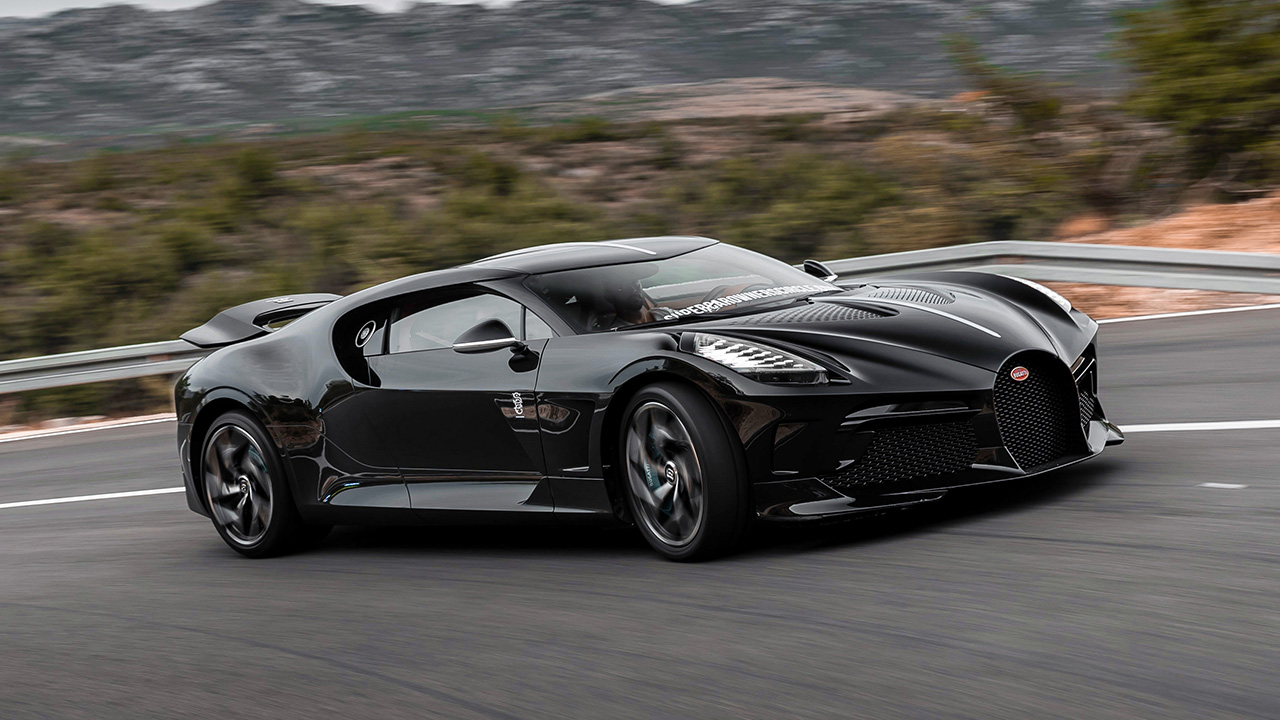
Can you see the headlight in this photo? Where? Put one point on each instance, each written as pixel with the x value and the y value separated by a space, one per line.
pixel 1060 301
pixel 757 361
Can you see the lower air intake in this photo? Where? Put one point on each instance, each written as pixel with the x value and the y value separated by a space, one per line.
pixel 903 454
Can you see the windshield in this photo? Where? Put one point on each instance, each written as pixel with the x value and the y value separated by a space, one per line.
pixel 715 279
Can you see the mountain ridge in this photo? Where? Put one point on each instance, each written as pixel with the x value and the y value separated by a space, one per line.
pixel 123 68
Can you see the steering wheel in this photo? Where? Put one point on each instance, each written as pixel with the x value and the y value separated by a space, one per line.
pixel 715 292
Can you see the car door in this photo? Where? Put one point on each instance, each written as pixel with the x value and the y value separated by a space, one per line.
pixel 462 426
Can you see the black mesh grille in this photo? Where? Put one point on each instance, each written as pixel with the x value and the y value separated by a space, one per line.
pixel 1086 382
pixel 1088 405
pixel 817 312
pixel 911 295
pixel 902 454
pixel 1039 416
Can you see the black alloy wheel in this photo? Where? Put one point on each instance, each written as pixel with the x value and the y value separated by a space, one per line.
pixel 683 475
pixel 245 490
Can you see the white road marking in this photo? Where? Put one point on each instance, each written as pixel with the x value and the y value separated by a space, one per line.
pixel 1189 313
pixel 84 429
pixel 86 498
pixel 1203 426
pixel 1223 486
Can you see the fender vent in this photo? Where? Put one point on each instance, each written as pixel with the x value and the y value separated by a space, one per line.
pixel 912 295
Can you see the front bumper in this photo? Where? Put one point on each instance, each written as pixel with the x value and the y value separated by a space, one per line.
pixel 895 450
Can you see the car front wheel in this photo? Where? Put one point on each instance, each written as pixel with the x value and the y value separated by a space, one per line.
pixel 683 475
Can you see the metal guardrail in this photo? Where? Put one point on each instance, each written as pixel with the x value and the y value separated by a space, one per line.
pixel 1065 262
pixel 1094 264
pixel 90 366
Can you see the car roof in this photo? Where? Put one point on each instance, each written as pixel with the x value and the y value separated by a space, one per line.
pixel 578 255
pixel 540 259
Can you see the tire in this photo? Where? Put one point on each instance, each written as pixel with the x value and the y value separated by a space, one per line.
pixel 682 473
pixel 244 487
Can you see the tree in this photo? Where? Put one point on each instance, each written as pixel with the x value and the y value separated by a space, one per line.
pixel 1029 100
pixel 1210 68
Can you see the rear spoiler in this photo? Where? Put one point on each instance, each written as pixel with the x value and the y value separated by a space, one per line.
pixel 252 319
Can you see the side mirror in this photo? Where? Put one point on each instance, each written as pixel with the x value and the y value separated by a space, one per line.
pixel 489 335
pixel 819 270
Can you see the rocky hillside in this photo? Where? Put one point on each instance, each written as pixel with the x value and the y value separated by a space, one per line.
pixel 123 69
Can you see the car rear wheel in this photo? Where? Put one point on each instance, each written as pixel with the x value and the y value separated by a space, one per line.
pixel 683 475
pixel 246 492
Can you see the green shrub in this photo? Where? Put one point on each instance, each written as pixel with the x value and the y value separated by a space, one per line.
pixel 1210 68
pixel 670 153
pixel 511 128
pixel 498 177
pixel 112 203
pixel 10 184
pixel 789 128
pixel 191 244
pixel 1032 104
pixel 96 174
pixel 588 129
pixel 792 208
pixel 254 173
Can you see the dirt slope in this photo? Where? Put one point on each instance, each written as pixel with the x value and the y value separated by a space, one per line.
pixel 1245 227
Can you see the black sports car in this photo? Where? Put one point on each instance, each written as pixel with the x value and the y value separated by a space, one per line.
pixel 680 384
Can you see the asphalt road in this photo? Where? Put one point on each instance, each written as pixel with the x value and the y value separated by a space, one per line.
pixel 1119 588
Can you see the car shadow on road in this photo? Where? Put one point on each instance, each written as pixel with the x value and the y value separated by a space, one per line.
pixel 505 540
pixel 958 507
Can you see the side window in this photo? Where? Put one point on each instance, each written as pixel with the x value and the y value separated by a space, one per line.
pixel 359 335
pixel 535 328
pixel 431 324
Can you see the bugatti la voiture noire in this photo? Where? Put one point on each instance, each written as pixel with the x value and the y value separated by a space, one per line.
pixel 676 383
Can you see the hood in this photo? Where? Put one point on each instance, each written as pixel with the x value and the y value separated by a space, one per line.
pixel 876 322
